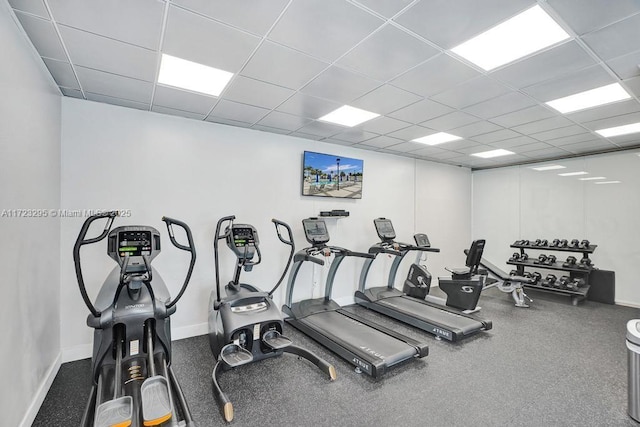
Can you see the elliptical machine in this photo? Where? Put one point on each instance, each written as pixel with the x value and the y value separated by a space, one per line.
pixel 246 325
pixel 133 382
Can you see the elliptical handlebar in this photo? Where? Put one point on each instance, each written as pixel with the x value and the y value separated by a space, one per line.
pixel 191 249
pixel 221 221
pixel 80 241
pixel 289 241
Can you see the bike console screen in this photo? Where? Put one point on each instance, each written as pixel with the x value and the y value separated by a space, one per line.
pixel 134 243
pixel 384 227
pixel 315 230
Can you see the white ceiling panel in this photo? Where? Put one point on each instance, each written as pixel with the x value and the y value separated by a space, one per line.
pixel 116 101
pixel 526 115
pixel 559 133
pixel 450 121
pixel 411 132
pixel 502 104
pixel 533 147
pixel 449 23
pixel 587 146
pixel 62 73
pixel 308 106
pixel 307 136
pixel 324 29
pixel 387 53
pixel 626 141
pixel 282 66
pixel 321 129
pixel 542 125
pixel 381 141
pixel 499 135
pixel 383 124
pixel 545 153
pixel 421 111
pixel 270 129
pixel 584 16
pixel 115 86
pixel 385 99
pixel 254 92
pixel 199 39
pixel 100 53
pixel 626 66
pixel 553 63
pixel 138 22
pixel 474 149
pixel 633 84
pixel 228 122
pixel 613 121
pixel 354 135
pixel 610 110
pixel 340 85
pixel 617 39
pixel 435 75
pixel 255 16
pixel 405 147
pixel 385 8
pixel 285 121
pixel 580 81
pixel 458 145
pixel 513 142
pixel 339 142
pixel 236 111
pixel 472 92
pixel 35 7
pixel 574 139
pixel 43 36
pixel 169 97
pixel 474 129
pixel 175 112
pixel 72 93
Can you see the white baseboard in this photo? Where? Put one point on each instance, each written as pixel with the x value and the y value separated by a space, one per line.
pixel 189 331
pixel 628 304
pixel 36 403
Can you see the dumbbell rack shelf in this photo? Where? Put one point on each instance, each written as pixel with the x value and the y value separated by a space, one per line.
pixel 576 295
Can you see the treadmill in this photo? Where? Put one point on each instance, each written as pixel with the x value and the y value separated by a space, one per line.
pixel 442 321
pixel 370 347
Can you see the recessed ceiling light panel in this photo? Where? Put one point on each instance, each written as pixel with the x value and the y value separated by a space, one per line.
pixel 592 178
pixel 183 74
pixel 348 116
pixel 574 173
pixel 548 168
pixel 493 153
pixel 608 182
pixel 619 130
pixel 526 33
pixel 590 98
pixel 437 138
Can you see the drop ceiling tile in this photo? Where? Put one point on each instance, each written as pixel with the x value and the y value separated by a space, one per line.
pixel 385 8
pixel 624 119
pixel 558 133
pixel 137 22
pixel 573 139
pixel 458 145
pixel 354 135
pixel 475 149
pixel 536 146
pixel 282 66
pixel 509 102
pixel 383 125
pixel 43 36
pixel 405 147
pixel 633 84
pixel 338 24
pixel 567 58
pixel 421 111
pixel 626 66
pixel 236 111
pixel 496 136
pixel 254 92
pixel 450 121
pixel 308 106
pixel 435 75
pixel 199 39
pixel 381 142
pixel 627 140
pixel 442 155
pixel 307 136
pixel 271 130
pixel 102 83
pixel 387 53
pixel 385 99
pixel 580 81
pixel 339 142
pixel 337 84
pixel 62 73
pixel 543 125
pixel 35 7
pixel 221 121
pixel 615 40
pixel 433 152
pixel 174 112
pixel 284 121
pixel 321 129
pixel 72 93
pixel 474 129
pixel 508 144
pixel 256 16
pixel 449 23
pixel 116 101
pixel 177 99
pixel 605 111
pixel 588 146
pixel 526 115
pixel 411 132
pixel 546 153
pixel 471 92
pixel 100 53
pixel 585 16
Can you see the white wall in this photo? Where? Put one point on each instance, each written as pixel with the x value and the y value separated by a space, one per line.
pixel 156 165
pixel 29 247
pixel 520 203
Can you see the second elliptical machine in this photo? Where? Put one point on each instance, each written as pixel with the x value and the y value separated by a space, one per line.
pixel 246 326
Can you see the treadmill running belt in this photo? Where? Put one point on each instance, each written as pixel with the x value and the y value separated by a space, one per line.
pixel 429 313
pixel 361 336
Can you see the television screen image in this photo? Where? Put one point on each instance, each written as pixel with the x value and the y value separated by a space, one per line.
pixel 329 175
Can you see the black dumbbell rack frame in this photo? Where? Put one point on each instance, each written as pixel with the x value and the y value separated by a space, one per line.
pixel 574 272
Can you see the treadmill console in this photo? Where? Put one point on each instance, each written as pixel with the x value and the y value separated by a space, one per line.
pixel 315 230
pixel 422 240
pixel 242 239
pixel 133 242
pixel 385 230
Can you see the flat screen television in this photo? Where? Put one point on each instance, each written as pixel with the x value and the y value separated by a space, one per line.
pixel 328 175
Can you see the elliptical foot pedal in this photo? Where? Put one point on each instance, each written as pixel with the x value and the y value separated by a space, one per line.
pixel 115 413
pixel 156 403
pixel 234 355
pixel 275 340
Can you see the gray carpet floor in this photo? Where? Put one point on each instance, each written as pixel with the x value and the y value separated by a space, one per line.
pixel 553 364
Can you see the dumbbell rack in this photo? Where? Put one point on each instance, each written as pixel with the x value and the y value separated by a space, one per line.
pixel 574 272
